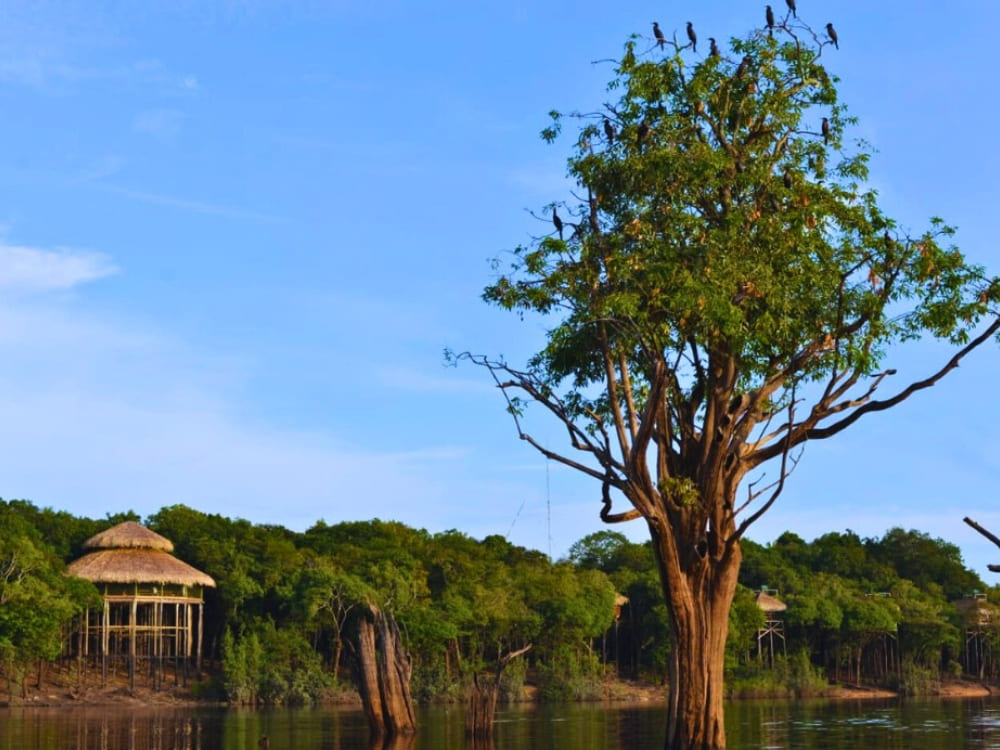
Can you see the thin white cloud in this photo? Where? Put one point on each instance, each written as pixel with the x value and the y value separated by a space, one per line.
pixel 32 269
pixel 212 209
pixel 161 123
pixel 136 419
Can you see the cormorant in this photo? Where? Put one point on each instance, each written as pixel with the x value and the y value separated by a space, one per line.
pixel 770 19
pixel 791 7
pixel 787 179
pixel 826 130
pixel 833 35
pixel 713 50
pixel 609 130
pixel 692 36
pixel 558 222
pixel 742 67
pixel 641 132
pixel 660 41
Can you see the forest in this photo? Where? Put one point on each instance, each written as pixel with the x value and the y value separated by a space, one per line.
pixel 900 611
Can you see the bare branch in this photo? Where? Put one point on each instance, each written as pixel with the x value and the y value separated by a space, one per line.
pixel 988 534
pixel 872 406
pixel 781 479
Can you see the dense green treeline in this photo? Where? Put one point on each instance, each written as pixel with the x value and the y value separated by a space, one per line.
pixel 280 626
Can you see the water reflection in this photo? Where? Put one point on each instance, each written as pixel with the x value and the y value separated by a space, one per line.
pixel 104 729
pixel 899 725
pixel 402 742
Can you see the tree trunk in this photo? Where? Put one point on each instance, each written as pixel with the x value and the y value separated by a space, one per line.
pixel 481 709
pixel 698 590
pixel 395 669
pixel 371 696
pixel 384 675
pixel 338 648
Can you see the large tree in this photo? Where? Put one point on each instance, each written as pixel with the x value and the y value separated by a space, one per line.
pixel 721 287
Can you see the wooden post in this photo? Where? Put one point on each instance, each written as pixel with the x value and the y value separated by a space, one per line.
pixel 177 640
pixel 201 622
pixel 133 610
pixel 105 616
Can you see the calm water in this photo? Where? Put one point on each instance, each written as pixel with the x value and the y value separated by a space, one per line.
pixel 897 725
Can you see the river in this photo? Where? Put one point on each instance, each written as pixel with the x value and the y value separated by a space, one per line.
pixel 970 724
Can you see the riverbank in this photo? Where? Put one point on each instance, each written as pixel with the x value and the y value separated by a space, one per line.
pixel 60 691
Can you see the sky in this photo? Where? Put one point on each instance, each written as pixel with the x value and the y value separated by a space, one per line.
pixel 236 237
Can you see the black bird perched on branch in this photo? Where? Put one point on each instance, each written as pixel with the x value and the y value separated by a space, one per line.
pixel 825 127
pixel 660 40
pixel 770 20
pixel 609 130
pixel 557 221
pixel 692 36
pixel 787 179
pixel 641 132
pixel 713 49
pixel 791 7
pixel 741 69
pixel 832 32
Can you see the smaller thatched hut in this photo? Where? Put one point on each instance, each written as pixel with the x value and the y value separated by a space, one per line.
pixel 980 620
pixel 153 603
pixel 774 625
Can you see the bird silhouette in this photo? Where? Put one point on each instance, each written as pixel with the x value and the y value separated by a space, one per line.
pixel 713 49
pixel 692 36
pixel 558 222
pixel 770 19
pixel 641 132
pixel 609 130
pixel 787 179
pixel 741 69
pixel 832 32
pixel 791 7
pixel 660 40
pixel 826 130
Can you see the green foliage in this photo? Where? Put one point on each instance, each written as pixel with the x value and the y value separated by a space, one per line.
pixel 570 675
pixel 285 600
pixel 791 676
pixel 272 667
pixel 745 619
pixel 36 599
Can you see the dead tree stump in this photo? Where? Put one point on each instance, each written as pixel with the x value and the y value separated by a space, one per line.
pixel 480 712
pixel 384 675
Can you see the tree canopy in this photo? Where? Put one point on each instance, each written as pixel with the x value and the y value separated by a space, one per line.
pixel 721 286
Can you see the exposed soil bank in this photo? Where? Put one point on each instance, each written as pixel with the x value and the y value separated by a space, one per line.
pixel 61 690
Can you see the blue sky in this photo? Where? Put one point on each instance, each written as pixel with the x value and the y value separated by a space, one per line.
pixel 235 238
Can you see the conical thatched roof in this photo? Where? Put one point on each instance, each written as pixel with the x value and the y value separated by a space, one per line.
pixel 129 535
pixel 130 553
pixel 137 566
pixel 770 603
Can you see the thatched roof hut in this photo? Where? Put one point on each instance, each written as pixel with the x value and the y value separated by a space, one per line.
pixel 975 609
pixel 770 603
pixel 129 535
pixel 130 553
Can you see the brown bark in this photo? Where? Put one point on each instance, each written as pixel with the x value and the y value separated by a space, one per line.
pixel 384 675
pixel 481 708
pixel 371 697
pixel 698 592
pixel 480 713
pixel 395 669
